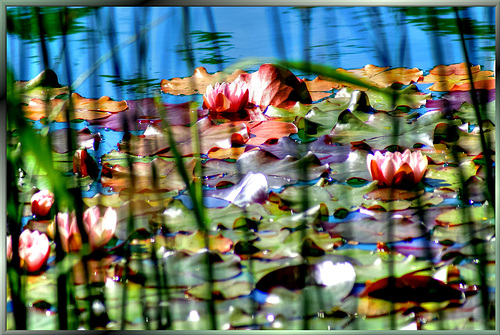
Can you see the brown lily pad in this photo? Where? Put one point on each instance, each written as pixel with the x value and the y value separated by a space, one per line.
pixel 198 82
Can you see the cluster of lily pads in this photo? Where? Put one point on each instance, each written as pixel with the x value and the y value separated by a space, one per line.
pixel 311 189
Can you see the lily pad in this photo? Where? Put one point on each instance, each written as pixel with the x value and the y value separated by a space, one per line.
pixel 198 82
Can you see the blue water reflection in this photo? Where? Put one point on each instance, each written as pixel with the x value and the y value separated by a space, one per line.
pixel 347 37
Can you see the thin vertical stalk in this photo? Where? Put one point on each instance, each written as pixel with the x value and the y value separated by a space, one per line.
pixel 383 53
pixel 304 166
pixel 480 116
pixel 111 36
pixel 72 145
pixel 274 17
pixel 479 251
pixel 198 208
pixel 211 25
pixel 142 71
pixel 15 272
pixel 333 46
pixel 195 189
pixel 379 40
pixel 161 276
pixel 247 238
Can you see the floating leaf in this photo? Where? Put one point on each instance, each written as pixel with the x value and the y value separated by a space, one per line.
pixel 153 141
pixel 477 214
pixel 144 112
pixel 84 139
pixel 178 218
pixel 292 197
pixel 373 231
pixel 464 233
pixel 198 82
pixel 378 131
pixel 275 85
pixel 413 288
pixel 111 200
pixel 299 109
pixel 263 131
pixel 295 277
pixel 466 112
pixel 119 177
pixel 370 74
pixel 252 188
pixel 278 172
pixel 447 178
pixel 196 242
pixel 229 289
pixel 456 77
pixel 309 217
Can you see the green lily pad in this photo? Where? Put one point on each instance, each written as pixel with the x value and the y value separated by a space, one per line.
pixel 462 233
pixel 408 96
pixel 480 215
pixel 374 231
pixel 448 178
pixel 228 289
pixel 468 114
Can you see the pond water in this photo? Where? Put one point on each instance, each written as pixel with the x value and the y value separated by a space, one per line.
pixel 300 234
pixel 346 37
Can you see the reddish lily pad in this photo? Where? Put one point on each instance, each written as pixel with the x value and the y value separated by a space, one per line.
pixel 413 288
pixel 263 131
pixel 276 86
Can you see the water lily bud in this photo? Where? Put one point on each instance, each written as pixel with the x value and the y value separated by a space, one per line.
pixel 84 165
pixel 34 249
pixel 99 228
pixel 71 239
pixel 41 202
pixel 9 247
pixel 397 170
pixel 226 97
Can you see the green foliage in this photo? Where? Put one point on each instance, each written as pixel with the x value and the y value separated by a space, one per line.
pixel 23 22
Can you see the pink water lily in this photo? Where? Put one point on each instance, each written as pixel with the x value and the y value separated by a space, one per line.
pixel 9 247
pixel 34 249
pixel 41 202
pixel 71 239
pixel 397 170
pixel 99 228
pixel 226 97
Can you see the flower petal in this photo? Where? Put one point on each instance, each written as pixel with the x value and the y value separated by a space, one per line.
pixel 404 177
pixel 388 169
